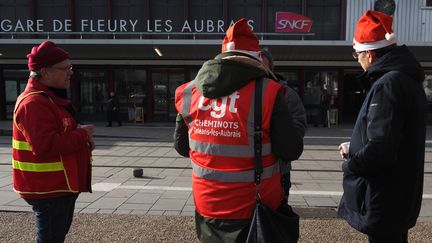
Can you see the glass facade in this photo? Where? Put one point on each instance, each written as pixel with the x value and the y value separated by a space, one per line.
pixel 149 86
pixel 293 6
pixel 427 85
pixel 93 17
pixel 15 83
pixel 163 10
pixel 165 82
pixel 130 86
pixel 92 93
pixel 250 9
pixel 326 16
pixel 50 10
pixel 318 83
pixel 15 9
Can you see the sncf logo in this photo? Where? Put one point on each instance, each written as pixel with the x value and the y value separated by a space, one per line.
pixel 292 22
pixel 219 109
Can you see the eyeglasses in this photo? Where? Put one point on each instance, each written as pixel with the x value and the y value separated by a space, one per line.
pixel 357 54
pixel 64 69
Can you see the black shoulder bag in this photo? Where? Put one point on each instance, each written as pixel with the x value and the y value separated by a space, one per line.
pixel 268 225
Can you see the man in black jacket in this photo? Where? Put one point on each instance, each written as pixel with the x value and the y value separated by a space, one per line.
pixel 384 166
pixel 297 110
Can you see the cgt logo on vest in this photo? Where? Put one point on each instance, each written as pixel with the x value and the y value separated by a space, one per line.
pixel 219 110
pixel 292 22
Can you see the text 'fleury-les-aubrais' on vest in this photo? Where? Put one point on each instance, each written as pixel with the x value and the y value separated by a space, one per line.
pixel 222 150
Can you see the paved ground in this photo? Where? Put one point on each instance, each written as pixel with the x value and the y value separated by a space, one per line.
pixel 147 209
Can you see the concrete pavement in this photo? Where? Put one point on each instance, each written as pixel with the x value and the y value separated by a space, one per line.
pixel 165 188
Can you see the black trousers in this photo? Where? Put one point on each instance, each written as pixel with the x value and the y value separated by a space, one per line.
pixel 397 237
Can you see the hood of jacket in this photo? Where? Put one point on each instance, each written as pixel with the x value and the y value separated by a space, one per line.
pixel 399 59
pixel 228 72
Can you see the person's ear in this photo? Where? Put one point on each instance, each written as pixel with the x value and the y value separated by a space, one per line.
pixel 371 56
pixel 43 71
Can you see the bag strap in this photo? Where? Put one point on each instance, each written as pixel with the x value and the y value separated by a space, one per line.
pixel 258 133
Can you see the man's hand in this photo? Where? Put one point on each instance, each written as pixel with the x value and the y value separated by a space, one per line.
pixel 343 149
pixel 91 144
pixel 90 131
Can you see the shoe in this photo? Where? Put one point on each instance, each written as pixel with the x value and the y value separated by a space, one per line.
pixel 108 125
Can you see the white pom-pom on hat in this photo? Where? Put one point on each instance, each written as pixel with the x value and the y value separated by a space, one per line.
pixel 390 36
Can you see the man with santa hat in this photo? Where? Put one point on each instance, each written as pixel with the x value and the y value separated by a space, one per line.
pixel 384 164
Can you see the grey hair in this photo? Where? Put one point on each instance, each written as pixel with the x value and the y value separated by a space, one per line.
pixel 35 74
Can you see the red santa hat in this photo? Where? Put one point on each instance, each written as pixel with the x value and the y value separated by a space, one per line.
pixel 45 55
pixel 374 31
pixel 240 38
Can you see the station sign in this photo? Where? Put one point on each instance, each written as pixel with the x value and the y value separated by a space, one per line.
pixel 117 25
pixel 292 23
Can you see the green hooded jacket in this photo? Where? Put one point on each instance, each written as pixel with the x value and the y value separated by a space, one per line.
pixel 220 77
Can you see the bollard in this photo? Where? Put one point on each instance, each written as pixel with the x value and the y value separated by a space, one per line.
pixel 137 172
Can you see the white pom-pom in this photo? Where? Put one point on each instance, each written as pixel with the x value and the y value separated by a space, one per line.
pixel 230 46
pixel 390 37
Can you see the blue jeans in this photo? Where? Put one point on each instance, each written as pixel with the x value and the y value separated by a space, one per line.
pixel 53 217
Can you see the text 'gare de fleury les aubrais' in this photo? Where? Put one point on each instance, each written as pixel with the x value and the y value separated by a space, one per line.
pixel 311 49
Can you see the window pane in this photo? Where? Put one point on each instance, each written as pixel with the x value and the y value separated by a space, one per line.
pixel 212 12
pixel 15 9
pixel 326 19
pixel 206 9
pixel 317 83
pixel 294 6
pixel 133 10
pixel 163 10
pixel 48 10
pixel 93 93
pixel 130 88
pixel 88 13
pixel 15 83
pixel 249 9
pixel 427 85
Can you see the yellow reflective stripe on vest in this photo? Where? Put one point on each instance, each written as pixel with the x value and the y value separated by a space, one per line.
pixel 21 145
pixel 37 167
pixel 44 193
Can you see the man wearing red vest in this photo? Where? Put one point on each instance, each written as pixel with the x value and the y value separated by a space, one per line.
pixel 51 151
pixel 215 129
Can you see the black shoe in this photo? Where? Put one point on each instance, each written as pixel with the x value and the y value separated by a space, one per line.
pixel 108 125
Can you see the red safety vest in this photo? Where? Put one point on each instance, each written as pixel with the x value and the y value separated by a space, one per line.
pixel 222 150
pixel 42 176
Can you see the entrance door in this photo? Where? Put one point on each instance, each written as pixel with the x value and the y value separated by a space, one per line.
pixel 165 82
pixel 93 94
pixel 15 83
pixel 354 93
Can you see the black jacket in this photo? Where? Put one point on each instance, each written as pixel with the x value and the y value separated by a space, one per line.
pixel 383 173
